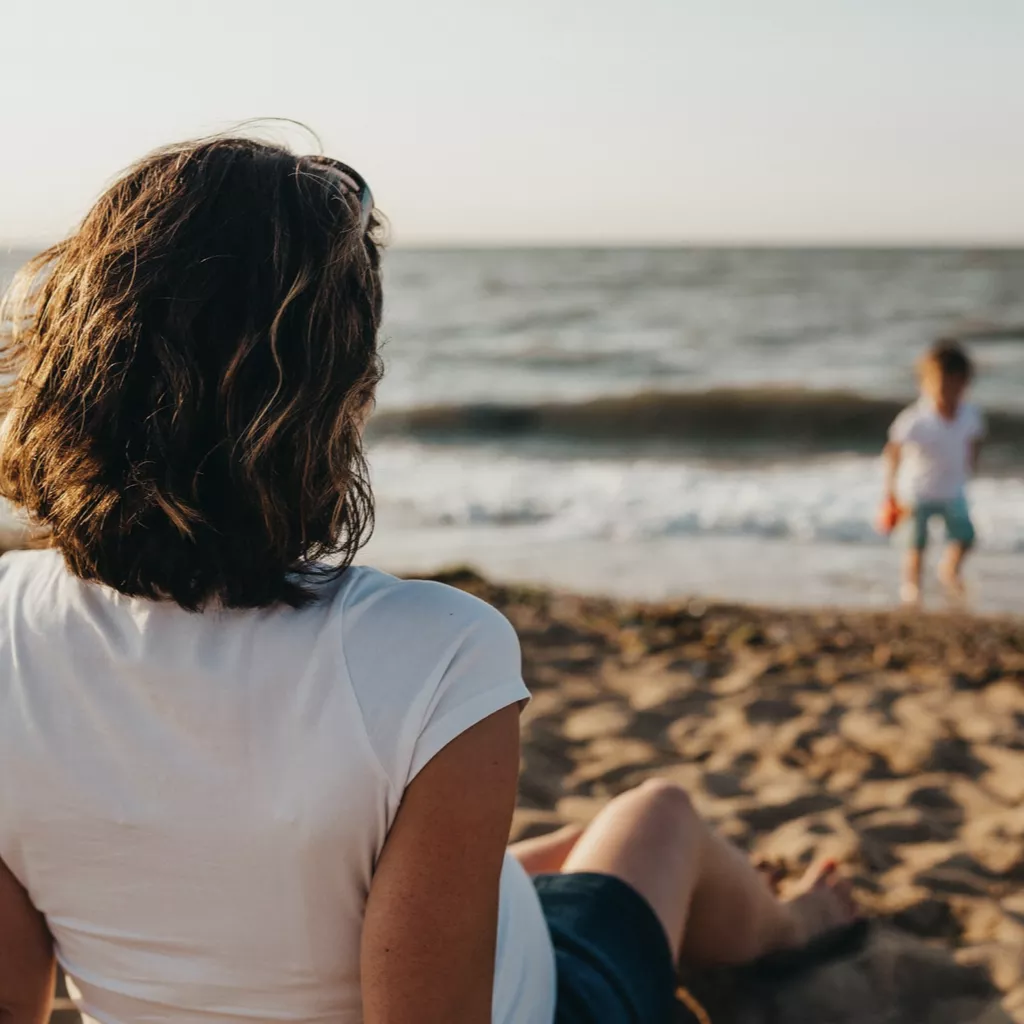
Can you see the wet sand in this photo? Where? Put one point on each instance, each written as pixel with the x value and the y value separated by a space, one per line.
pixel 751 570
pixel 892 742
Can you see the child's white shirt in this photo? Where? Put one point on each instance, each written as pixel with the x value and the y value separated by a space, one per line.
pixel 937 451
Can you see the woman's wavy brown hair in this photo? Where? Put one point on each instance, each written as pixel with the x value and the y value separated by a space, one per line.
pixel 186 376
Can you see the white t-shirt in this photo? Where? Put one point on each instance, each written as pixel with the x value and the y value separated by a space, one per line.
pixel 196 801
pixel 937 451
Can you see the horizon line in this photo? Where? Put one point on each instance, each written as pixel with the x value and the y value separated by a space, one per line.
pixel 456 244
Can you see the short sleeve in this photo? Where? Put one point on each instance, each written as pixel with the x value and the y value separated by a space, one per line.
pixel 902 429
pixel 976 428
pixel 426 662
pixel 483 676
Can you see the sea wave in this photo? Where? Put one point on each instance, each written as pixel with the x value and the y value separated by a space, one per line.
pixel 795 421
pixel 830 500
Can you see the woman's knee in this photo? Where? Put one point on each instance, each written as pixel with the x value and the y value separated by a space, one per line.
pixel 655 817
pixel 665 802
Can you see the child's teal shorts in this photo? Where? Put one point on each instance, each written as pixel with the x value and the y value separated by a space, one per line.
pixel 954 514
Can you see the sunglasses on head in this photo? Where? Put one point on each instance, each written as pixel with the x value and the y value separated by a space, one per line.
pixel 352 183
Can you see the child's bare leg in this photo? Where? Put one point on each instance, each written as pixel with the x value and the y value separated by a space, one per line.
pixel 951 566
pixel 714 906
pixel 960 534
pixel 910 590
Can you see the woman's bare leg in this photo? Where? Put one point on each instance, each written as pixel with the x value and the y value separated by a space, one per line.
pixel 546 854
pixel 714 905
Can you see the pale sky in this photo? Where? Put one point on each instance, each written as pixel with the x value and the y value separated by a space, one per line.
pixel 592 121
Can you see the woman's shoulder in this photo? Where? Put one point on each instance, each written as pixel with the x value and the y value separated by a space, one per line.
pixel 416 636
pixel 415 604
pixel 29 569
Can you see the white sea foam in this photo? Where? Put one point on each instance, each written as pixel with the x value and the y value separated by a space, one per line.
pixel 828 501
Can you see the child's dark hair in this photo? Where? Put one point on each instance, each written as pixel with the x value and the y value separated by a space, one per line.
pixel 185 378
pixel 949 357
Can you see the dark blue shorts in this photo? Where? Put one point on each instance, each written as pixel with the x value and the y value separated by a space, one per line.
pixel 953 513
pixel 613 958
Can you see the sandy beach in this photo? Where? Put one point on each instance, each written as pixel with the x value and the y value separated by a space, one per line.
pixel 890 742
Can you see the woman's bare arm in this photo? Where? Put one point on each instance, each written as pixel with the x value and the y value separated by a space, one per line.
pixel 26 956
pixel 432 916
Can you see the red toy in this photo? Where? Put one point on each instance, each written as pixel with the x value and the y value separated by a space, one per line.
pixel 890 515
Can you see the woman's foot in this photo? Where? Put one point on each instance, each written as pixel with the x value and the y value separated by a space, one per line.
pixel 773 873
pixel 910 595
pixel 825 903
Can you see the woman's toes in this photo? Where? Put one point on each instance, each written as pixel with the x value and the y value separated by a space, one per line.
pixel 826 903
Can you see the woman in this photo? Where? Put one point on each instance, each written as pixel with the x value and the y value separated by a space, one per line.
pixel 240 779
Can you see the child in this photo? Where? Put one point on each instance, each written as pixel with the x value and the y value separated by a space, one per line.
pixel 938 437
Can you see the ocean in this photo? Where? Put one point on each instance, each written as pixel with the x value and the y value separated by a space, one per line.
pixel 668 422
